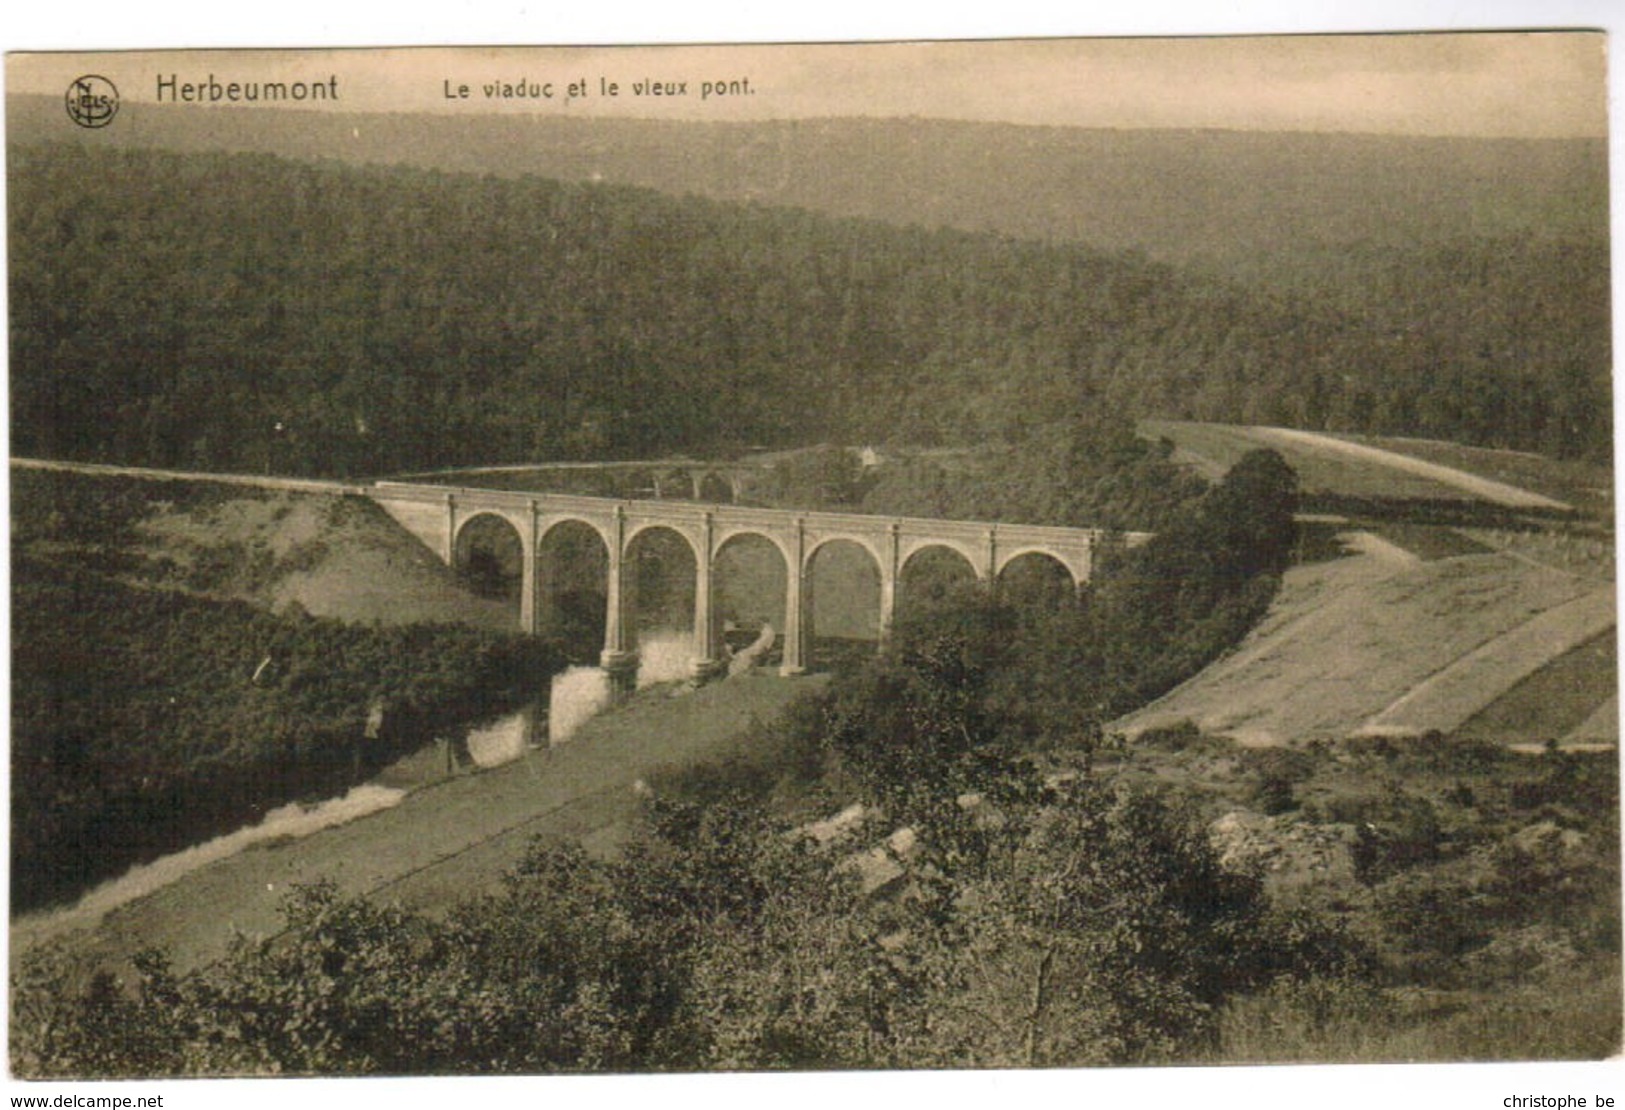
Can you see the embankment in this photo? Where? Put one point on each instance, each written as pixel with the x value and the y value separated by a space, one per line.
pixel 441 843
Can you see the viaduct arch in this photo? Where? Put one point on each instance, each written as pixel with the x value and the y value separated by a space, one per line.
pixel 438 514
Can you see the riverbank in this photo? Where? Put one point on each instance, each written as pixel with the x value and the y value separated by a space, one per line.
pixel 445 841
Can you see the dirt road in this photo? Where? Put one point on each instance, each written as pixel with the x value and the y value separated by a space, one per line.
pixel 1486 488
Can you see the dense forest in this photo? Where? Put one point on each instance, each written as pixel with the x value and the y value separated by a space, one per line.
pixel 242 312
pixel 142 721
pixel 148 718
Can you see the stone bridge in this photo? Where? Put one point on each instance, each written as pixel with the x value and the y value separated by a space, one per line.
pixel 439 515
pixel 675 478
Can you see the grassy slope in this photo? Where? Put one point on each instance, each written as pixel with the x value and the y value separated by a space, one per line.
pixel 1215 448
pixel 335 556
pixel 1453 695
pixel 1567 691
pixel 1355 466
pixel 1350 638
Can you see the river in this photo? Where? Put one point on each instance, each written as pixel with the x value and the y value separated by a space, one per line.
pixel 576 695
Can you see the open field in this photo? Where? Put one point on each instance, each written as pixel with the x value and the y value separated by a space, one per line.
pixel 1456 692
pixel 1214 448
pixel 1324 448
pixel 1419 627
pixel 1394 468
pixel 1572 699
pixel 1586 486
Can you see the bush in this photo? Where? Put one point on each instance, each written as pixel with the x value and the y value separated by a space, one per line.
pixel 1404 831
pixel 1584 783
pixel 1273 794
pixel 1435 915
pixel 1171 738
pixel 1276 772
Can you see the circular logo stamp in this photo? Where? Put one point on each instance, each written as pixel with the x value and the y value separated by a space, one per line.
pixel 92 101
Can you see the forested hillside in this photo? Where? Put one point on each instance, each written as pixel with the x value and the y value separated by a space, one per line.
pixel 242 312
pixel 153 708
pixel 1279 200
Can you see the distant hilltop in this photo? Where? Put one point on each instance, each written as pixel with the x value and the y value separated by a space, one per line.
pixel 1225 198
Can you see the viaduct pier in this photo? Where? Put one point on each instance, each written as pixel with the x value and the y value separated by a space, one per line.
pixel 440 516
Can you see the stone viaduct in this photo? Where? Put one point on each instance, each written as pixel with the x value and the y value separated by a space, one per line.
pixel 438 515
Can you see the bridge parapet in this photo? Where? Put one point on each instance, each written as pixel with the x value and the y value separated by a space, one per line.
pixel 437 514
pixel 745 515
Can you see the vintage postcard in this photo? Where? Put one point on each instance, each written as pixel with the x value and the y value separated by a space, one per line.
pixel 901 556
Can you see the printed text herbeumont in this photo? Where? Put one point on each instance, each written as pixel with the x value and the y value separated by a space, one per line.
pixel 211 90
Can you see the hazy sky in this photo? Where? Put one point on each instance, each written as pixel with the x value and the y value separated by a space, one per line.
pixel 1513 84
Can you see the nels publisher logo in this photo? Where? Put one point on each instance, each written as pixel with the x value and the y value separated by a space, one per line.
pixel 92 101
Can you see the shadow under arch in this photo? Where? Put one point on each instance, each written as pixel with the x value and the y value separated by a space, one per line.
pixel 750 589
pixel 931 576
pixel 572 589
pixel 658 576
pixel 488 559
pixel 1036 580
pixel 842 605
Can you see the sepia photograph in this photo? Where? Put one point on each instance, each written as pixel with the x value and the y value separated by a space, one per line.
pixel 917 555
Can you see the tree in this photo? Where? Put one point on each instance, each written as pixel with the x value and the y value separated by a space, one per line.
pixel 1104 936
pixel 1196 587
pixel 915 726
pixel 1248 516
pixel 823 477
